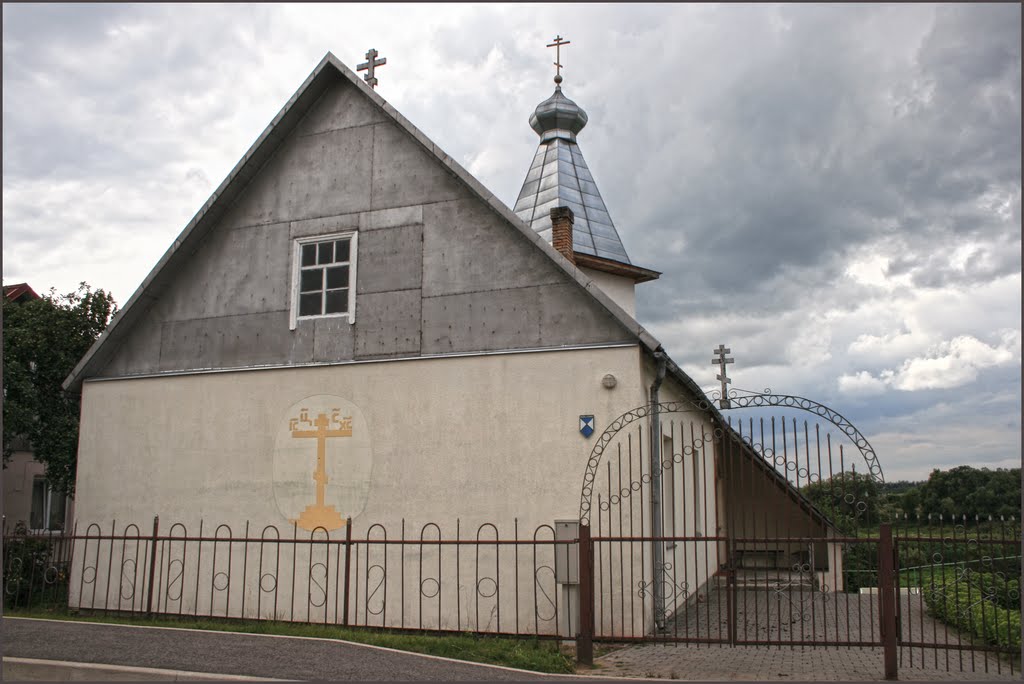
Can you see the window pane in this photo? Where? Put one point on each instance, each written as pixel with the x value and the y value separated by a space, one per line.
pixel 337 301
pixel 337 277
pixel 342 250
pixel 309 304
pixel 325 255
pixel 38 503
pixel 312 280
pixel 57 504
pixel 308 255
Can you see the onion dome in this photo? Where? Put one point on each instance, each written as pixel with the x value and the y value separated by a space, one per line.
pixel 558 117
pixel 559 177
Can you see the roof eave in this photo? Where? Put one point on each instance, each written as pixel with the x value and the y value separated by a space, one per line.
pixel 637 274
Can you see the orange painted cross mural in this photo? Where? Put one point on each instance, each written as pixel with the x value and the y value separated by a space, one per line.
pixel 323 428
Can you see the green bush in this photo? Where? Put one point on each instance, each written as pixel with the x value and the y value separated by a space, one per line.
pixel 33 575
pixel 860 566
pixel 1002 591
pixel 977 603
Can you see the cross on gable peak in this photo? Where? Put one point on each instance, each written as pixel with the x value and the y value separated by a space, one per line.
pixel 370 65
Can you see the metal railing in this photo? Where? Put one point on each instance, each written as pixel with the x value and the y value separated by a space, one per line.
pixel 480 582
pixel 929 592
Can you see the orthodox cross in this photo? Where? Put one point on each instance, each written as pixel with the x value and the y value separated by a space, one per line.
pixel 558 56
pixel 318 514
pixel 721 361
pixel 369 65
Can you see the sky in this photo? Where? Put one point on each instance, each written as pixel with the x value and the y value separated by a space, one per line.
pixel 832 191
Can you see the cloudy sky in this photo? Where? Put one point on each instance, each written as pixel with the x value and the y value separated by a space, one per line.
pixel 834 192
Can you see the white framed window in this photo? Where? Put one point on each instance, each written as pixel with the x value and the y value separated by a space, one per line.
pixel 324 277
pixel 48 507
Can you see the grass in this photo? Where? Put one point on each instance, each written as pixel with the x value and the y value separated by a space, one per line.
pixel 528 654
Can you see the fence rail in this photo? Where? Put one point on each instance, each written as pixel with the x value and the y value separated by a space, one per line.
pixel 966 615
pixel 930 593
pixel 480 582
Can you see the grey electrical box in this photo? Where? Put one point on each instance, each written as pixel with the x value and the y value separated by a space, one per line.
pixel 567 556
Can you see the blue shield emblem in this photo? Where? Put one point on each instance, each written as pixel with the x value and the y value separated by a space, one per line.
pixel 586 425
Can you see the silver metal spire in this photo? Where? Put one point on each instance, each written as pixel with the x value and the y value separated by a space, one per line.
pixel 559 177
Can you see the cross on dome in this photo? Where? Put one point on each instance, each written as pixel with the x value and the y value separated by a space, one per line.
pixel 559 42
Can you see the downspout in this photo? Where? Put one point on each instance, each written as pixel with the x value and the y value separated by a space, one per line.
pixel 657 527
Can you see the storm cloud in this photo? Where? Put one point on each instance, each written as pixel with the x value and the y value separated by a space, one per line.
pixel 833 191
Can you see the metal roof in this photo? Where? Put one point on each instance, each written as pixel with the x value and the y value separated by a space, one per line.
pixel 559 177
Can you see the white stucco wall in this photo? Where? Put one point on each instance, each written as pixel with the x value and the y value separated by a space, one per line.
pixel 197 447
pixel 690 509
pixel 622 290
pixel 480 439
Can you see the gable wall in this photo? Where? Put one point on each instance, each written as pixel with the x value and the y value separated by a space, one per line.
pixel 437 270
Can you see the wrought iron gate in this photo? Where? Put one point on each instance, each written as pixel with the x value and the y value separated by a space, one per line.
pixel 744 529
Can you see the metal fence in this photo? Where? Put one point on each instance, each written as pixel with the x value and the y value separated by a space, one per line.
pixel 929 592
pixel 476 582
pixel 960 602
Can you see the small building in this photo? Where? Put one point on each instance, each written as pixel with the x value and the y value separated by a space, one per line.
pixel 353 327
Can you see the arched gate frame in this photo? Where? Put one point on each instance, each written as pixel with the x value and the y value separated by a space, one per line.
pixel 707 535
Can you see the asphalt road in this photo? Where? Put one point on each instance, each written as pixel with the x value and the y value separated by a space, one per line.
pixel 235 654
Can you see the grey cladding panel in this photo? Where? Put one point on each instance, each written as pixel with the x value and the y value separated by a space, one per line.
pixel 391 218
pixel 332 338
pixel 387 324
pixel 482 321
pixel 323 226
pixel 467 248
pixel 341 106
pixel 568 318
pixel 311 176
pixel 404 173
pixel 241 271
pixel 233 341
pixel 140 352
pixel 390 259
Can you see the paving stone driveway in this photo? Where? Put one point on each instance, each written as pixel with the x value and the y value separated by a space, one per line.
pixel 767 615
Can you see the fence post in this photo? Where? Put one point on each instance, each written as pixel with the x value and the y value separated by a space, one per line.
pixel 348 565
pixel 585 638
pixel 887 595
pixel 152 565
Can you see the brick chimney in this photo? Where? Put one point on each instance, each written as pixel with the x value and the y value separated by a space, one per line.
pixel 561 232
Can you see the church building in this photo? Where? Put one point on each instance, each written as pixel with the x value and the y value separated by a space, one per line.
pixel 353 327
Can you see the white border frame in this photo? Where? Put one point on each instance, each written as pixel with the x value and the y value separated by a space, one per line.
pixel 353 259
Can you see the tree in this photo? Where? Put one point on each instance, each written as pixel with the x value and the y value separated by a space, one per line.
pixel 849 499
pixel 43 341
pixel 965 490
